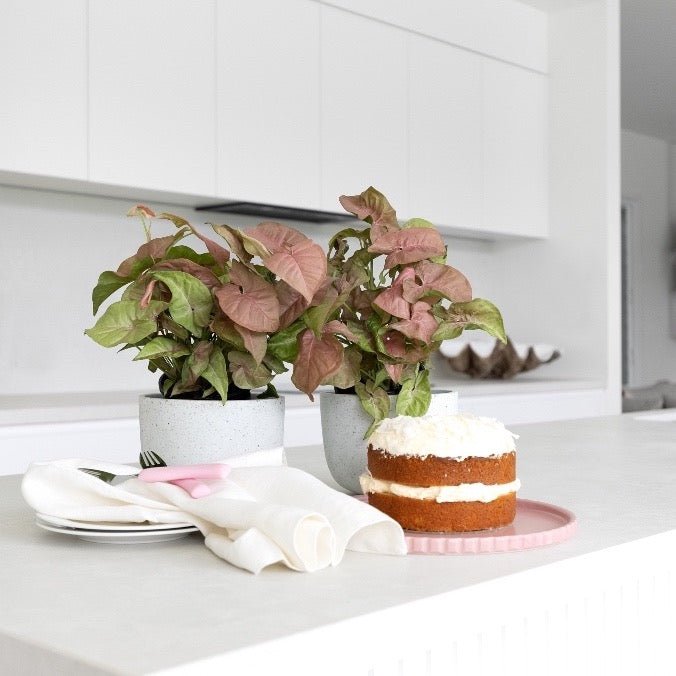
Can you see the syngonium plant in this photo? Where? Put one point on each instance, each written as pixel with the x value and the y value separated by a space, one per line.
pixel 207 322
pixel 387 305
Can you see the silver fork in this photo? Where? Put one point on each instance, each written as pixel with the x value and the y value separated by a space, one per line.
pixel 150 459
pixel 108 477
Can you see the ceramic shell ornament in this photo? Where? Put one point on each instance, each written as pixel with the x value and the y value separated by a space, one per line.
pixel 483 359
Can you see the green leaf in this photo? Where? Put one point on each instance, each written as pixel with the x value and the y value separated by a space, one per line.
pixel 474 314
pixel 270 393
pixel 126 322
pixel 196 363
pixel 415 396
pixel 374 400
pixel 182 251
pixel 348 373
pixel 246 373
pixel 418 223
pixel 284 343
pixel 109 282
pixel 191 300
pixel 162 346
pixel 216 373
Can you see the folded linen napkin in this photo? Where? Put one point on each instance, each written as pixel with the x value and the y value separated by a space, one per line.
pixel 257 516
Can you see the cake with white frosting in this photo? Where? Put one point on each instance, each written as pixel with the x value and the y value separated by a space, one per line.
pixel 443 473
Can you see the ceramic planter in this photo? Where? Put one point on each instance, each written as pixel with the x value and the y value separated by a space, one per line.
pixel 344 424
pixel 184 431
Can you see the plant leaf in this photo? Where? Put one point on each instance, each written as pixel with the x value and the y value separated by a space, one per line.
pixel 292 256
pixel 191 302
pixel 249 300
pixel 418 223
pixel 196 363
pixel 126 322
pixel 415 395
pixel 292 304
pixel 437 279
pixel 216 373
pixel 421 326
pixel 145 214
pixel 348 372
pixel 270 393
pixel 372 206
pixel 255 343
pixel 475 314
pixel 374 401
pixel 284 344
pixel 109 282
pixel 246 373
pixel 152 250
pixel 162 346
pixel 392 299
pixel 206 276
pixel 318 358
pixel 408 246
pixel 219 253
pixel 234 239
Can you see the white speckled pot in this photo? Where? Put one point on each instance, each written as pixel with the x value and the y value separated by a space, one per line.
pixel 184 431
pixel 344 424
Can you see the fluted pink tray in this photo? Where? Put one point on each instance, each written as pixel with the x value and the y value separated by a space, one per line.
pixel 536 524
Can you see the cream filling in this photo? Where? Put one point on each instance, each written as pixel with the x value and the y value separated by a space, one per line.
pixel 461 493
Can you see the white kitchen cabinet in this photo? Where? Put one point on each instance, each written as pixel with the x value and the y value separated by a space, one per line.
pixel 364 113
pixel 445 134
pixel 43 87
pixel 152 94
pixel 267 56
pixel 515 162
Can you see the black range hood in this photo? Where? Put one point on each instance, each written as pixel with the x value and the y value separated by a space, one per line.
pixel 271 211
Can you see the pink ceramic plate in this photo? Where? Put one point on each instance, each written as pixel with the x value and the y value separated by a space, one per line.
pixel 536 524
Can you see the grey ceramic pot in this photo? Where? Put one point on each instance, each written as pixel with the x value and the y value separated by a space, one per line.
pixel 344 424
pixel 183 431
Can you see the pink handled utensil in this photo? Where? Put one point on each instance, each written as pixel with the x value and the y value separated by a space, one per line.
pixel 175 472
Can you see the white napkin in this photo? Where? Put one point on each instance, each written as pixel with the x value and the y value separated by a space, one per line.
pixel 258 516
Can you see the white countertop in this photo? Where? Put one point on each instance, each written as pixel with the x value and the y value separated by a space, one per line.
pixel 94 609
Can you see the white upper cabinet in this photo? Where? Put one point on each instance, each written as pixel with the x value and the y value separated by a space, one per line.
pixel 364 125
pixel 515 158
pixel 445 134
pixel 152 94
pixel 43 87
pixel 267 56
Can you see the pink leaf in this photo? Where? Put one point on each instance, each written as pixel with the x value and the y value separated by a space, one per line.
pixel 339 328
pixel 409 246
pixel 444 279
pixel 291 304
pixel 392 300
pixel 421 326
pixel 373 205
pixel 219 254
pixel 205 275
pixel 395 344
pixel 249 300
pixel 294 257
pixel 155 249
pixel 255 343
pixel 318 358
pixel 394 371
pixel 145 300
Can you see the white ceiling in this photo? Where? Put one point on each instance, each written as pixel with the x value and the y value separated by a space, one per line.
pixel 649 67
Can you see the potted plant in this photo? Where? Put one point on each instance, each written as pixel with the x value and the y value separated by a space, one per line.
pixel 206 322
pixel 389 302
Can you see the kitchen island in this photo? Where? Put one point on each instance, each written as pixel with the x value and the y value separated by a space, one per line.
pixel 598 603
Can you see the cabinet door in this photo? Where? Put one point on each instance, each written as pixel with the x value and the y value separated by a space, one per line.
pixel 364 108
pixel 268 101
pixel 43 87
pixel 152 98
pixel 515 150
pixel 445 134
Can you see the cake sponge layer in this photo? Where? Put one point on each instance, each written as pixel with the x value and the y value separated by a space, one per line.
pixel 434 471
pixel 431 516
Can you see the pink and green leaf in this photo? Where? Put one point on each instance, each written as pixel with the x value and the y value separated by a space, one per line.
pixel 408 246
pixel 246 373
pixel 372 206
pixel 191 302
pixel 318 359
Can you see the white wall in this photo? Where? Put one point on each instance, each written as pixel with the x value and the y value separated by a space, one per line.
pixel 645 190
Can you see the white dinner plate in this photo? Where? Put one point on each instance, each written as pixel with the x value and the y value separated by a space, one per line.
pixel 114 526
pixel 120 537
